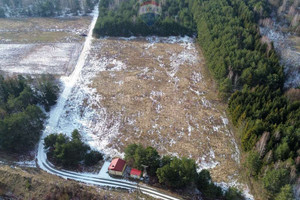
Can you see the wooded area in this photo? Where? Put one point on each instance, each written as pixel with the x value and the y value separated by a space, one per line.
pixel 21 118
pixel 240 62
pixel 247 71
pixel 177 173
pixel 68 152
pixel 123 20
pixel 45 8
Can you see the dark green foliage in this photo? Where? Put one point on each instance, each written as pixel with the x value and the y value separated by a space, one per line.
pixel 46 8
pixel 286 193
pixel 92 158
pixel 70 152
pixel 282 151
pixel 225 88
pixel 123 20
pixel 178 173
pixel 50 140
pixel 203 180
pixel 2 13
pixel 275 179
pixel 233 194
pixel 21 121
pixel 229 37
pixel 137 155
pixel 207 187
pixel 48 91
pixel 253 163
pixel 20 131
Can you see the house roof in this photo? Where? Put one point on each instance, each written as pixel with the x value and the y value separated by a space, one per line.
pixel 135 172
pixel 117 164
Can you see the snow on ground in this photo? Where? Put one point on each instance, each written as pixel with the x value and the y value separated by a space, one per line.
pixel 31 163
pixel 245 188
pixel 80 106
pixel 56 59
pixel 108 131
pixel 290 57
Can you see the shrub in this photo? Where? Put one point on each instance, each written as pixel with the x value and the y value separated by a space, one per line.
pixel 275 179
pixel 92 158
pixel 70 152
pixel 233 194
pixel 207 187
pixel 137 156
pixel 286 193
pixel 253 163
pixel 178 173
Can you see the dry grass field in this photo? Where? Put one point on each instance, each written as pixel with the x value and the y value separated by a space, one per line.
pixel 41 45
pixel 161 95
pixel 33 183
pixel 41 30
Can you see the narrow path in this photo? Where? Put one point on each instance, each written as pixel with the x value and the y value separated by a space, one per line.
pixel 52 123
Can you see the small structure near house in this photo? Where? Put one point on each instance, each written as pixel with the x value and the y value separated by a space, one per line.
pixel 117 167
pixel 135 173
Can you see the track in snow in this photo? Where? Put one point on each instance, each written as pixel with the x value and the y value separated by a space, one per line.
pixel 52 123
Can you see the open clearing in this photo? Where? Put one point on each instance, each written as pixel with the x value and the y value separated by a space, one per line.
pixel 153 91
pixel 162 99
pixel 41 45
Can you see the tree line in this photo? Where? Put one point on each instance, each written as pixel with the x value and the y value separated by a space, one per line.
pixel 269 122
pixel 248 74
pixel 123 20
pixel 21 116
pixel 177 173
pixel 46 8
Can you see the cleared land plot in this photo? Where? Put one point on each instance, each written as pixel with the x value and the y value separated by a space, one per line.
pixel 58 59
pixel 41 30
pixel 155 92
pixel 41 45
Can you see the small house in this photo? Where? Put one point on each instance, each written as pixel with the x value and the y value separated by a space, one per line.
pixel 135 173
pixel 117 167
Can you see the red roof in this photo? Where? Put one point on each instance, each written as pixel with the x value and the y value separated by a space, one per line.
pixel 135 172
pixel 150 2
pixel 117 164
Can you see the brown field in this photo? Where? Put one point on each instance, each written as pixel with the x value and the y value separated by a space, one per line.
pixel 41 45
pixel 41 30
pixel 163 97
pixel 33 183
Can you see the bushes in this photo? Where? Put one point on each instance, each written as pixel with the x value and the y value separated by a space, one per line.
pixel 212 191
pixel 286 193
pixel 206 186
pixel 48 91
pixel 70 152
pixel 253 163
pixel 171 171
pixel 275 179
pixel 233 194
pixel 137 155
pixel 92 158
pixel 178 173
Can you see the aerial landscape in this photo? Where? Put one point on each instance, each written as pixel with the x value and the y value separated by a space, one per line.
pixel 150 99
